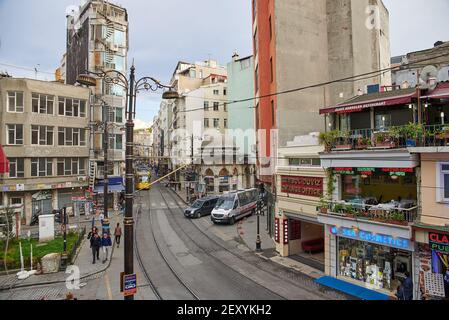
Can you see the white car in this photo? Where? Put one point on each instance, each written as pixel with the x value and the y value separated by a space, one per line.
pixel 235 206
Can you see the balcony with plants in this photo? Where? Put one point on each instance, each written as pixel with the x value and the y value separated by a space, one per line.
pixel 380 195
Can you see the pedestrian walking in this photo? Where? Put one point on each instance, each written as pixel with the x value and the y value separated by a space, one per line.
pixel 400 295
pixel 408 286
pixel 106 243
pixel 118 234
pixel 95 244
pixel 92 232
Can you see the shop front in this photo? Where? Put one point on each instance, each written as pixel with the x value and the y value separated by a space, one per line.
pixel 432 261
pixel 371 255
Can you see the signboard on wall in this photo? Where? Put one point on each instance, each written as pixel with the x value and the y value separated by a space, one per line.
pixel 400 172
pixel 439 242
pixel 286 231
pixel 276 230
pixel 305 186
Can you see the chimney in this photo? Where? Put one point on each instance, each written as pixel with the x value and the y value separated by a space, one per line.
pixel 235 56
pixel 438 43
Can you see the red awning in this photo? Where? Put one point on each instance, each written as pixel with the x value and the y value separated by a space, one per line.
pixel 4 163
pixel 360 106
pixel 440 92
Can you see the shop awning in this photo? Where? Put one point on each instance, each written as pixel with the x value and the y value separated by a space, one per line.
pixel 440 92
pixel 372 100
pixel 4 163
pixel 351 289
pixel 111 189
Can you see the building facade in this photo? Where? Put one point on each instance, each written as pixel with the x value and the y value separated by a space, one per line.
pixel 97 40
pixel 46 140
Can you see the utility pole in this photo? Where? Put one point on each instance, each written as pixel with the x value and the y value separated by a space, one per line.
pixel 259 213
pixel 106 167
pixel 64 257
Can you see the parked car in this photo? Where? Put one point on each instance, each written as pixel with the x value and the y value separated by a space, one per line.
pixel 235 206
pixel 201 207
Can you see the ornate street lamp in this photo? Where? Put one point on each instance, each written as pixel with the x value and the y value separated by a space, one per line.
pixel 132 87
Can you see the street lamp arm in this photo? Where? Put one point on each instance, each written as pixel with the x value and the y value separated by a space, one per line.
pixel 112 77
pixel 149 84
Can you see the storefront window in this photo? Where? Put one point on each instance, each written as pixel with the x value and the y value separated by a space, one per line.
pixel 379 267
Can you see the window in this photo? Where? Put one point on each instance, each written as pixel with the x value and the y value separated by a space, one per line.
pixel 71 137
pixel 271 70
pixel 119 38
pixel 216 92
pixel 42 103
pixel 225 91
pixel 116 141
pixel 71 166
pixel 256 43
pixel 41 136
pixel 216 123
pixel 216 105
pixel 15 101
pixel 206 105
pixel 225 107
pixel 206 123
pixel 383 121
pixel 305 162
pixel 15 201
pixel 119 115
pixel 245 64
pixel 444 181
pixel 71 107
pixel 14 134
pixel 192 73
pixel 16 167
pixel 272 114
pixel 225 123
pixel 257 78
pixel 41 167
pixel 271 28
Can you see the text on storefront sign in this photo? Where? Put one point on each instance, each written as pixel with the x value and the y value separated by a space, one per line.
pixel 306 186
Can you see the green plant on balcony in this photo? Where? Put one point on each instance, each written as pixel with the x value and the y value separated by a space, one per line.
pixel 363 143
pixel 323 205
pixel 327 139
pixel 384 139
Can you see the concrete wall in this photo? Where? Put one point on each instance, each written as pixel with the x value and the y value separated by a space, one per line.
pixel 433 212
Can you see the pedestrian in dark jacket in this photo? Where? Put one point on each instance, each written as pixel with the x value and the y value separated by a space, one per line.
pixel 408 286
pixel 400 292
pixel 95 244
pixel 106 243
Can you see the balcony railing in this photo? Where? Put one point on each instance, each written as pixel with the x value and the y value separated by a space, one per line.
pixel 393 212
pixel 412 135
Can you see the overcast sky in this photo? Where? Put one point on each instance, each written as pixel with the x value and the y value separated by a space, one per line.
pixel 32 33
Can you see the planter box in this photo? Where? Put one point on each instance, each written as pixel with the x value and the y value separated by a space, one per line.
pixel 361 146
pixel 323 210
pixel 343 147
pixel 400 223
pixel 385 145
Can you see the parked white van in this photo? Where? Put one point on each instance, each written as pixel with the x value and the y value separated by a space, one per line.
pixel 235 206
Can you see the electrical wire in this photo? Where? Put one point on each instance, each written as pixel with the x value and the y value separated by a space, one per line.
pixel 24 68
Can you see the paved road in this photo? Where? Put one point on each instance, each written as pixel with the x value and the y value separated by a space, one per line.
pixel 209 259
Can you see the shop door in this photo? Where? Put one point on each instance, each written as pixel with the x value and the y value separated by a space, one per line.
pixel 64 200
pixel 41 207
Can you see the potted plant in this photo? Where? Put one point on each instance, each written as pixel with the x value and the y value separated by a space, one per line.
pixel 327 139
pixel 363 143
pixel 384 140
pixel 343 142
pixel 323 205
pixel 412 132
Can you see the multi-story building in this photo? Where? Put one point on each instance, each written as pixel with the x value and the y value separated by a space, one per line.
pixel 97 40
pixel 385 199
pixel 143 145
pixel 46 140
pixel 292 40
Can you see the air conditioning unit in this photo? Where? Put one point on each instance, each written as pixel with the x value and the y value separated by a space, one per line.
pixel 82 179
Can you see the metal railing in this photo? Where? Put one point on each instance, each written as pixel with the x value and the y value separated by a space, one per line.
pixel 391 138
pixel 383 212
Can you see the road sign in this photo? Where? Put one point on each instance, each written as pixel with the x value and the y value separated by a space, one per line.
pixel 129 285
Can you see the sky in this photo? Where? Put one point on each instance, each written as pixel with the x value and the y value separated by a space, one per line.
pixel 165 32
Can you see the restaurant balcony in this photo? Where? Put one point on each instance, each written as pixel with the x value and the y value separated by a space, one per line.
pixel 402 212
pixel 399 137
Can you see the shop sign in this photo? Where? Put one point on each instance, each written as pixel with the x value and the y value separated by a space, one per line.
pixel 276 230
pixel 129 285
pixel 400 172
pixel 286 231
pixel 305 186
pixel 367 236
pixel 439 242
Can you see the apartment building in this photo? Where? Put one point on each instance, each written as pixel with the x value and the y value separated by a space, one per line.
pixel 97 40
pixel 46 141
pixel 292 40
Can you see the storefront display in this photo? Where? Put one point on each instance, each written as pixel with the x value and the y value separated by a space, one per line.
pixel 378 266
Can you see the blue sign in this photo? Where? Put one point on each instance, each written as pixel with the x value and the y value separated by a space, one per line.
pixel 371 237
pixel 130 285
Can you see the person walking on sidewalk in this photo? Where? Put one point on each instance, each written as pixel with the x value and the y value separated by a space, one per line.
pixel 118 234
pixel 106 243
pixel 95 244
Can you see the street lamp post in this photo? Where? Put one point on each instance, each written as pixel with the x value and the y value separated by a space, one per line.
pixel 259 213
pixel 132 87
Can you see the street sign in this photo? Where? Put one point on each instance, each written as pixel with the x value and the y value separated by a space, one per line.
pixel 129 285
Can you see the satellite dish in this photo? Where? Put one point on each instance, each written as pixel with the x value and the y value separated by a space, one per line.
pixel 429 76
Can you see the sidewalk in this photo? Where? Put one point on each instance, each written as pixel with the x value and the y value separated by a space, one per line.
pixel 83 261
pixel 247 231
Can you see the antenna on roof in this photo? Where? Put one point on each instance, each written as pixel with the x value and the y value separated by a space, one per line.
pixel 36 71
